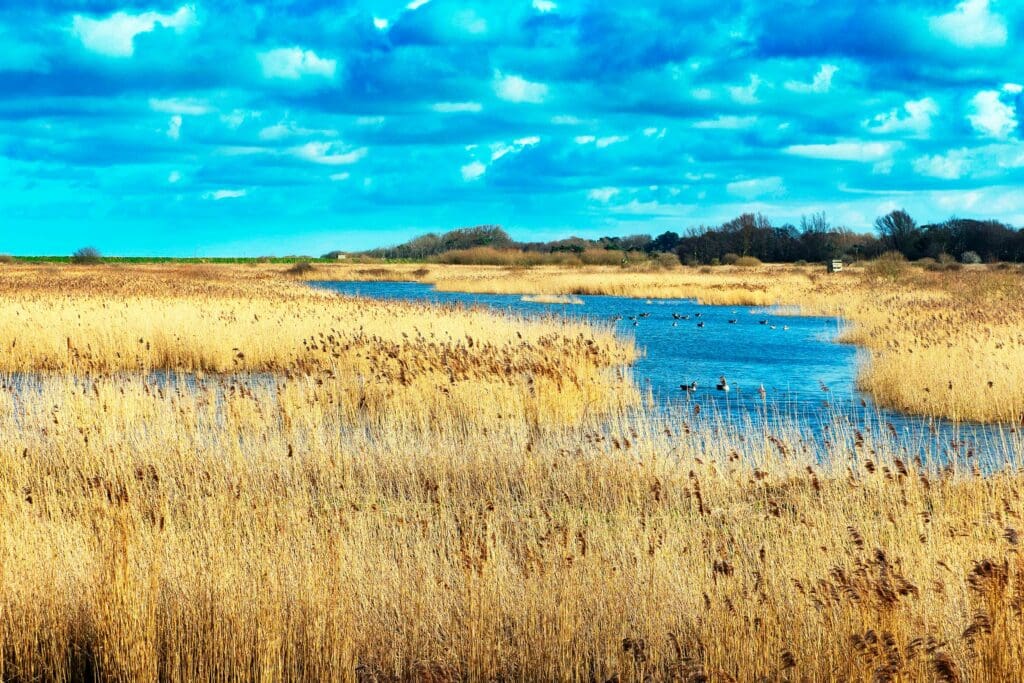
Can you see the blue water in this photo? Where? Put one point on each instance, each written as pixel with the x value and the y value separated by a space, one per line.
pixel 807 376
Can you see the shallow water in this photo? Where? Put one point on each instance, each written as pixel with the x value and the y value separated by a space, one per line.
pixel 808 378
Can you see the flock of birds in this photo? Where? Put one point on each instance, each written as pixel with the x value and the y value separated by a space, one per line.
pixel 723 383
pixel 676 317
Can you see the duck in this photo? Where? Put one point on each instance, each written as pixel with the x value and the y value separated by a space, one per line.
pixel 675 324
pixel 723 384
pixel 700 324
pixel 732 321
pixel 763 322
pixel 692 386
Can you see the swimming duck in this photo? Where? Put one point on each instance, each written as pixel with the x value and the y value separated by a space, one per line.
pixel 692 386
pixel 700 324
pixel 722 385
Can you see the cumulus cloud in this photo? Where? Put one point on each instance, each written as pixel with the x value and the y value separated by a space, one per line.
pixel 544 6
pixel 726 123
pixel 456 107
pixel 915 117
pixel 517 89
pixel 473 170
pixel 602 194
pixel 990 116
pixel 950 166
pixel 756 187
pixel 293 63
pixel 174 127
pixel 821 83
pixel 217 195
pixel 329 153
pixel 971 24
pixel 852 150
pixel 746 94
pixel 173 105
pixel 114 36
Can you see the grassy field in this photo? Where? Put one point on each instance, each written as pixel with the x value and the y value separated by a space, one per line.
pixel 946 344
pixel 383 492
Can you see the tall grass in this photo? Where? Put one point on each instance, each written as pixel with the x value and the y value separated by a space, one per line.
pixel 241 531
pixel 408 518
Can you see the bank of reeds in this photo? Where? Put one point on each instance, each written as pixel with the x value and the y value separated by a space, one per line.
pixel 241 531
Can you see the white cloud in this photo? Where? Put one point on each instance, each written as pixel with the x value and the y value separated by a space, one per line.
pixel 174 127
pixel 756 187
pixel 380 24
pixel 971 24
pixel 915 118
pixel 416 4
pixel 1013 88
pixel 115 35
pixel 328 154
pixel 602 194
pixel 293 63
pixel 456 107
pixel 340 176
pixel 950 166
pixel 173 177
pixel 846 151
pixel 991 116
pixel 610 140
pixel 726 123
pixel 473 170
pixel 218 195
pixel 654 132
pixel 584 139
pixel 469 21
pixel 544 6
pixel 176 105
pixel 527 141
pixel 822 81
pixel 518 89
pixel 746 94
pixel 286 129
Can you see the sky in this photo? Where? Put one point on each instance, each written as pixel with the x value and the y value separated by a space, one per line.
pixel 236 127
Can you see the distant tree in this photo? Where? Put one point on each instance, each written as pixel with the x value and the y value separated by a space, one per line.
pixel 899 232
pixel 87 256
pixel 666 241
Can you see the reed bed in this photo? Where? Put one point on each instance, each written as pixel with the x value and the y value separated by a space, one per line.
pixel 238 531
pixel 234 319
pixel 942 344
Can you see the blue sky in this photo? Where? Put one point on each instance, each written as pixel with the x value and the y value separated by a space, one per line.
pixel 297 126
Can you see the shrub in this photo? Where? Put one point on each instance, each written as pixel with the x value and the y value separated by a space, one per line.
pixel 800 262
pixel 889 265
pixel 87 256
pixel 970 257
pixel 300 268
pixel 747 262
pixel 667 261
pixel 730 259
pixel 706 269
pixel 715 262
pixel 945 258
pixel 7 259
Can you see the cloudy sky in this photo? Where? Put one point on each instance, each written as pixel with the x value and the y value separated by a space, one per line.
pixel 299 126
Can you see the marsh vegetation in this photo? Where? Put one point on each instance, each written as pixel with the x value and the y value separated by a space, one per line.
pixel 216 472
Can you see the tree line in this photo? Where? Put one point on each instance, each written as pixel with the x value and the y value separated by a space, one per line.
pixel 754 235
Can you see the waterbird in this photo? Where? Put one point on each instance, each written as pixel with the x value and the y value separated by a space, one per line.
pixel 700 324
pixel 732 321
pixel 722 385
pixel 763 322
pixel 697 315
pixel 675 324
pixel 692 386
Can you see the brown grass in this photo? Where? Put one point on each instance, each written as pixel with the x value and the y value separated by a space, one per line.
pixel 283 526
